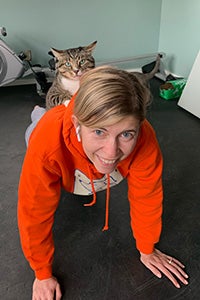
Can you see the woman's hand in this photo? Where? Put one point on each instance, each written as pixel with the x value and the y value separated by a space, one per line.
pixel 158 263
pixel 47 289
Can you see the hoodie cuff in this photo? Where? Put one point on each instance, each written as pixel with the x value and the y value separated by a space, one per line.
pixel 145 248
pixel 44 273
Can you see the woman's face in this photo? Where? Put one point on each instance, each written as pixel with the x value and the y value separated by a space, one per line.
pixel 107 146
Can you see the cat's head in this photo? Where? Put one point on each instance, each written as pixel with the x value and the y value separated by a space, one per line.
pixel 72 63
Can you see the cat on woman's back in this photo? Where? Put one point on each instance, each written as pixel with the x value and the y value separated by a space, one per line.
pixel 70 65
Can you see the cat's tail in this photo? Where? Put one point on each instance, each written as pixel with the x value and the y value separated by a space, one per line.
pixel 151 69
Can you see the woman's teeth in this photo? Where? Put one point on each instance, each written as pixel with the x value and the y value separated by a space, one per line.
pixel 108 162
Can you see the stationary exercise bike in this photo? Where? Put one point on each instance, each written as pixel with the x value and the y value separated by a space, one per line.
pixel 13 66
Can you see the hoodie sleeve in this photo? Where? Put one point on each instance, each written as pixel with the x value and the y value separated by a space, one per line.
pixel 145 193
pixel 39 194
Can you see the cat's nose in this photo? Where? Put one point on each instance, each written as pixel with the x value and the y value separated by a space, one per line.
pixel 76 71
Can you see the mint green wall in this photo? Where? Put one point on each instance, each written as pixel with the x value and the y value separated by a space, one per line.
pixel 122 28
pixel 179 34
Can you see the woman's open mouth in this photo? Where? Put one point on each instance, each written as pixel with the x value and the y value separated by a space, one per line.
pixel 107 162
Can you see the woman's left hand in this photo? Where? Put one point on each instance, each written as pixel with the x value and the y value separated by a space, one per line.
pixel 158 263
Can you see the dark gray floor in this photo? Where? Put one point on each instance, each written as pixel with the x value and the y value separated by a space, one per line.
pixel 96 265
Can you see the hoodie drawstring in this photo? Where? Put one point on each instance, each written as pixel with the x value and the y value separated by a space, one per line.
pixel 106 223
pixel 106 226
pixel 94 195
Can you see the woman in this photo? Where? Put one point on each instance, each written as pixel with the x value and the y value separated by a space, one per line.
pixel 96 140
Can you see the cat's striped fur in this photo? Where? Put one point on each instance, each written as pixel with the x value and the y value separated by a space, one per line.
pixel 70 65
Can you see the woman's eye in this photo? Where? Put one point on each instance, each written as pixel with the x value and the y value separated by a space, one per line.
pixel 98 132
pixel 68 64
pixel 127 135
pixel 82 62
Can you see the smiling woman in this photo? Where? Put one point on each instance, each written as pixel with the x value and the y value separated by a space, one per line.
pixel 91 144
pixel 106 147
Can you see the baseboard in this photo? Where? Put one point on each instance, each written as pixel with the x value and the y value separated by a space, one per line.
pixel 50 77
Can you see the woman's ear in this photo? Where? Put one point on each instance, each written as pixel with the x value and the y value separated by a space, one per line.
pixel 75 121
pixel 77 127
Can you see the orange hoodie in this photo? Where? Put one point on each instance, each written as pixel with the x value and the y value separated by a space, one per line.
pixel 55 160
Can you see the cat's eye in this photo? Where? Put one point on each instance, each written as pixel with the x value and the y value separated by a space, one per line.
pixel 68 64
pixel 82 62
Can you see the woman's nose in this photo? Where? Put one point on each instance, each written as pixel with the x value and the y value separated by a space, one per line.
pixel 111 148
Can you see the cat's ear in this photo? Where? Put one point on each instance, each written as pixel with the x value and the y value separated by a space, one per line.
pixel 90 47
pixel 57 53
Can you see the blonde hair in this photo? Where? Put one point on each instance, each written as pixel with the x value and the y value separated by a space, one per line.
pixel 107 95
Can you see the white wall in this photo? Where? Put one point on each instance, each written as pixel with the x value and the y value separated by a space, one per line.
pixel 179 34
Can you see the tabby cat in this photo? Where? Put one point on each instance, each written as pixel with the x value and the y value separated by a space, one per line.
pixel 70 65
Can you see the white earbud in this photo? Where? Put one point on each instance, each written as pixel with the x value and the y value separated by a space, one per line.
pixel 78 133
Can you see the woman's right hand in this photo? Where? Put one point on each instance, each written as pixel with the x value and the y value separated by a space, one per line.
pixel 47 289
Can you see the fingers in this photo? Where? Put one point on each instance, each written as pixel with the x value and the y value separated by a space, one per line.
pixel 160 263
pixel 176 261
pixel 173 266
pixel 58 292
pixel 154 270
